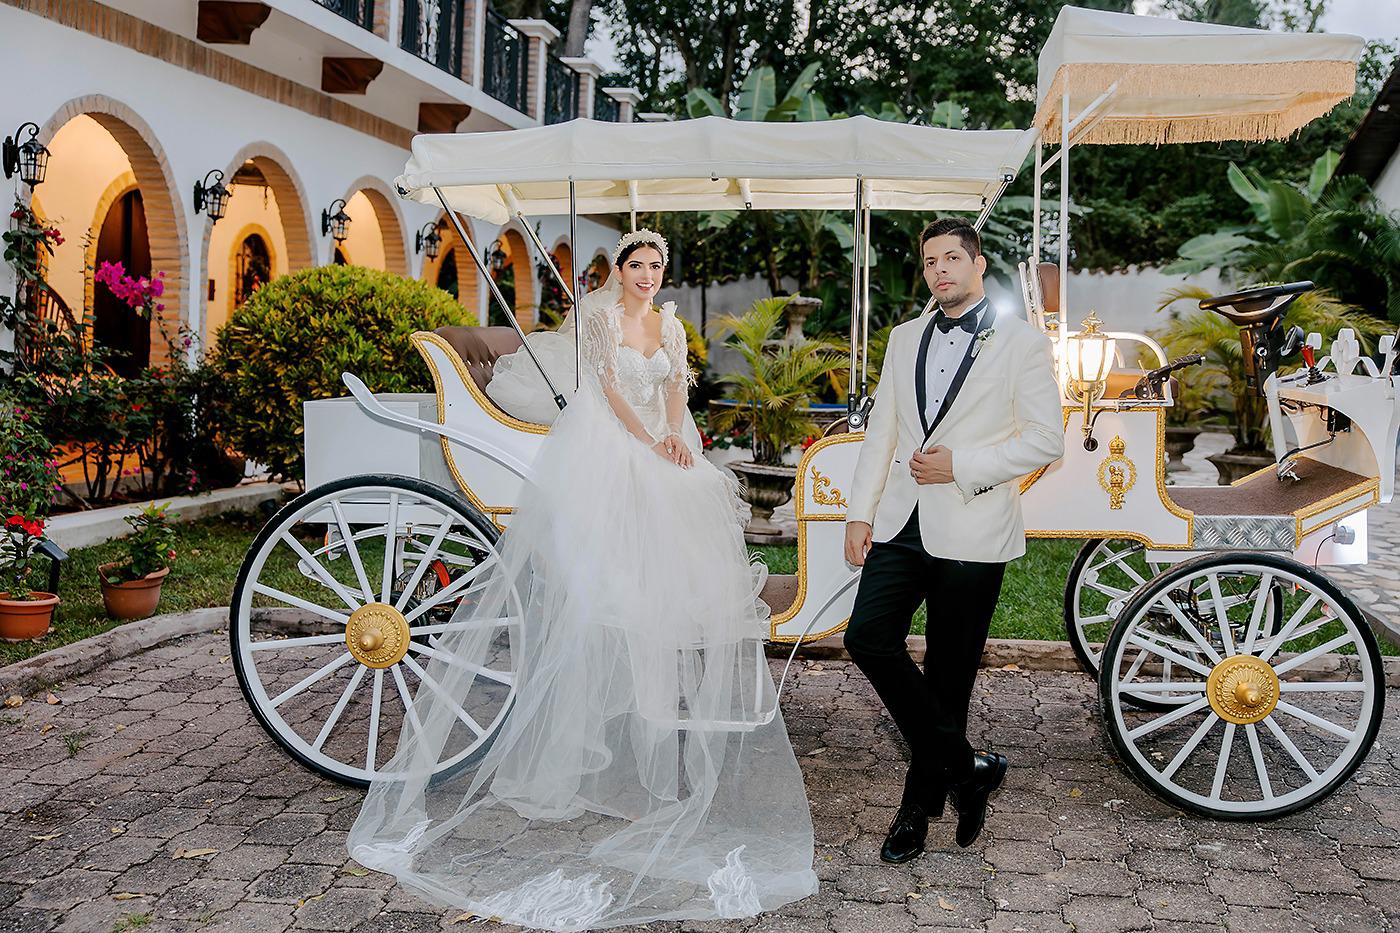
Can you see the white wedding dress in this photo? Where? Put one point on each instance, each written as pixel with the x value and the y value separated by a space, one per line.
pixel 643 772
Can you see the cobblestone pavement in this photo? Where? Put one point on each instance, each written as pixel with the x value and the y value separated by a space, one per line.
pixel 147 797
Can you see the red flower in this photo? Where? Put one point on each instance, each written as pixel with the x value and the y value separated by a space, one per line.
pixel 14 521
pixel 170 555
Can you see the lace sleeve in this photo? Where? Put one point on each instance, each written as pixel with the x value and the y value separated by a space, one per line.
pixel 673 340
pixel 600 339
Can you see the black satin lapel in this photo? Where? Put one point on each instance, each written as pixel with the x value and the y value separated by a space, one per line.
pixel 988 316
pixel 921 375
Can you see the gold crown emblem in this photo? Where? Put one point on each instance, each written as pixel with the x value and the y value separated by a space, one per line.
pixel 1116 446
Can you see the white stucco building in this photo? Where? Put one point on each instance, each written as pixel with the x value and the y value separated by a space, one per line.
pixel 1373 152
pixel 301 105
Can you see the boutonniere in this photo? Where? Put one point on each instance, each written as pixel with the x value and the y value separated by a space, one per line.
pixel 982 337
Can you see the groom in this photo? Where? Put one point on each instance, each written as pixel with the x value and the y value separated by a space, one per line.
pixel 967 405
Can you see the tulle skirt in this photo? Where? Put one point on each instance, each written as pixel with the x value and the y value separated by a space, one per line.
pixel 642 770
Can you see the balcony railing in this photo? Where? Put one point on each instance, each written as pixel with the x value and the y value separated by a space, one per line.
pixel 505 54
pixel 432 30
pixel 605 107
pixel 560 91
pixel 359 12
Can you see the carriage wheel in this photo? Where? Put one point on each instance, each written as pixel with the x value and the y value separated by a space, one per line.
pixel 1104 574
pixel 1273 719
pixel 339 608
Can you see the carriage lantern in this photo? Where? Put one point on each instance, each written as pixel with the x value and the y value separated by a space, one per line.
pixel 1089 358
pixel 30 158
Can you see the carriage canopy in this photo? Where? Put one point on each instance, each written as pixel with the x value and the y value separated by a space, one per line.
pixel 1185 82
pixel 713 163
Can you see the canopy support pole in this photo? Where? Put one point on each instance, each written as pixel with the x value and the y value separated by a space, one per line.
pixel 981 220
pixel 496 293
pixel 573 267
pixel 855 299
pixel 1063 156
pixel 865 301
pixel 1035 213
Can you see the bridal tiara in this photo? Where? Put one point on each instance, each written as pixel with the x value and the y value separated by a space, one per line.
pixel 650 237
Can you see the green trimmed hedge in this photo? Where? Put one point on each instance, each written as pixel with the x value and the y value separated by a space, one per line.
pixel 294 336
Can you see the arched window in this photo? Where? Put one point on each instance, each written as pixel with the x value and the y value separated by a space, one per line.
pixel 252 267
pixel 447 274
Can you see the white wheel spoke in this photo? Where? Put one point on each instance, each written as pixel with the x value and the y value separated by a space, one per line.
pixel 350 548
pixel 1190 745
pixel 321 573
pixel 1142 641
pixel 1167 719
pixel 1321 686
pixel 447 657
pixel 373 744
pixel 1293 751
pixel 299 603
pixel 1314 626
pixel 473 623
pixel 442 695
pixel 1284 636
pixel 391 539
pixel 1226 745
pixel 1104 588
pixel 1189 627
pixel 1326 725
pixel 1176 686
pixel 408 710
pixel 1136 666
pixel 334 717
pixel 1095 620
pixel 1261 770
pixel 450 590
pixel 1343 639
pixel 1222 616
pixel 1256 615
pixel 344 658
pixel 423 562
pixel 277 644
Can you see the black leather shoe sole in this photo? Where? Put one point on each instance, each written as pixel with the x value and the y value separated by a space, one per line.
pixel 897 858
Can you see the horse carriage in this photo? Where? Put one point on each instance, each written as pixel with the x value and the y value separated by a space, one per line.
pixel 1202 611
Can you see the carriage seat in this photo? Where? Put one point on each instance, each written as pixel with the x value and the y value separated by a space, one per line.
pixel 480 347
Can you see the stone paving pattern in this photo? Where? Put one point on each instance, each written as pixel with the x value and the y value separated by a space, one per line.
pixel 156 757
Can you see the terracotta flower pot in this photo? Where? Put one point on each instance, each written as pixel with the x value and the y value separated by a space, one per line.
pixel 135 599
pixel 26 619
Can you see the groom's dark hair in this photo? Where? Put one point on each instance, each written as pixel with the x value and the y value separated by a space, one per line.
pixel 958 228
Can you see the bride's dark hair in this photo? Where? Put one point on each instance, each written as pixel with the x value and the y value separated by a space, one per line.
pixel 631 248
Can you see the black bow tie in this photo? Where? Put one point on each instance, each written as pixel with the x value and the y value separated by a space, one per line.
pixel 944 323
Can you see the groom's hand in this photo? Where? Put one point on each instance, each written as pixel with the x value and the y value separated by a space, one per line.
pixel 858 536
pixel 931 466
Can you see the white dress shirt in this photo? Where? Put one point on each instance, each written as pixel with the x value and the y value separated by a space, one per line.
pixel 945 355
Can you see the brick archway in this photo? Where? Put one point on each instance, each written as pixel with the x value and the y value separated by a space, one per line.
pixel 523 262
pixel 165 216
pixel 391 226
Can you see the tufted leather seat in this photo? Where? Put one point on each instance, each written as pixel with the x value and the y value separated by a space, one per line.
pixel 480 347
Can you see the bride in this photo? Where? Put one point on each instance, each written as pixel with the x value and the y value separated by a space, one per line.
pixel 643 772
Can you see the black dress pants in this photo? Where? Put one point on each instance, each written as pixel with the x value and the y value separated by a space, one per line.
pixel 929 706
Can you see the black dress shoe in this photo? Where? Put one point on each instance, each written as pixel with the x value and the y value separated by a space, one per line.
pixel 970 797
pixel 905 840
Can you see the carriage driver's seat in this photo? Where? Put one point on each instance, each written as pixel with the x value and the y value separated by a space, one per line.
pixel 480 347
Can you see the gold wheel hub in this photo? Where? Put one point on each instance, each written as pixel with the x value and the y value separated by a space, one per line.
pixel 1242 689
pixel 378 635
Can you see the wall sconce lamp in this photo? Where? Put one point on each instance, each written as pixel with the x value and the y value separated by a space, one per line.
pixel 30 158
pixel 213 197
pixel 428 240
pixel 335 222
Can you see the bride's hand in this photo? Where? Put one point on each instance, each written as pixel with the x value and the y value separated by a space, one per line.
pixel 663 449
pixel 679 452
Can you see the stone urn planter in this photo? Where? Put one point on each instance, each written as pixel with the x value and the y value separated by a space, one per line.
pixel 1180 440
pixel 135 599
pixel 26 619
pixel 765 488
pixel 1233 465
pixel 795 313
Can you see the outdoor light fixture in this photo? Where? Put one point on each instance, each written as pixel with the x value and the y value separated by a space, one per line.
pixel 496 257
pixel 213 197
pixel 428 240
pixel 30 159
pixel 1089 357
pixel 335 222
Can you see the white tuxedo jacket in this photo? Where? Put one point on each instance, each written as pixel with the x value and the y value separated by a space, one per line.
pixel 1003 422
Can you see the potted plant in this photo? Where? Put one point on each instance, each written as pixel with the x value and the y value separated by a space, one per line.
pixel 131 585
pixel 29 480
pixel 770 402
pixel 1221 377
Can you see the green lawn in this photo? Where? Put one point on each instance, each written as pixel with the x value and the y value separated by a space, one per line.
pixel 1032 596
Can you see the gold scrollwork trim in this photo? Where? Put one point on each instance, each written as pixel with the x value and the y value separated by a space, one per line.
pixel 823 493
pixel 791 612
pixel 799 506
